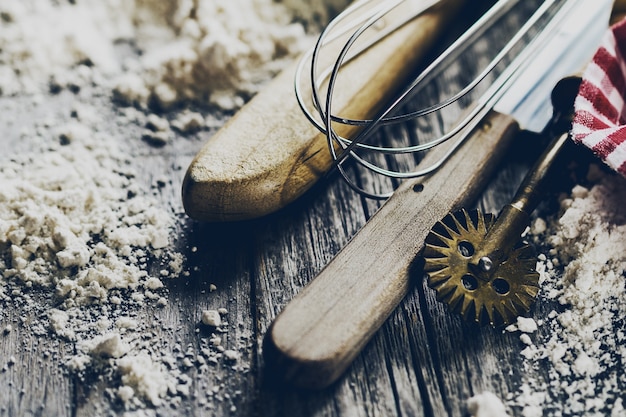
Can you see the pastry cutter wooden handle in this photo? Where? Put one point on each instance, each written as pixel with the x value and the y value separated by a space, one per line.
pixel 269 154
pixel 326 325
pixel 315 338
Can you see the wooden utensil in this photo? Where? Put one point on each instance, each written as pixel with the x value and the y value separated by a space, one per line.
pixel 269 154
pixel 325 326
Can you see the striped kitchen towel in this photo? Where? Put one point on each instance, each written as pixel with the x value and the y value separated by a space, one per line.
pixel 600 107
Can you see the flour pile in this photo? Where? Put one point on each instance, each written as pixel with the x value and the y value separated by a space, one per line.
pixel 72 218
pixel 157 52
pixel 582 345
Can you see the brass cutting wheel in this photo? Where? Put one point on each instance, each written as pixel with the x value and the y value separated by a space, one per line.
pixel 495 294
pixel 478 265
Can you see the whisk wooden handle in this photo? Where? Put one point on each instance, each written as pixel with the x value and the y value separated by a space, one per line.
pixel 325 326
pixel 269 154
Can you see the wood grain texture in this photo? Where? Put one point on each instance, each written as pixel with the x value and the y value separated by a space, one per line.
pixel 32 376
pixel 268 154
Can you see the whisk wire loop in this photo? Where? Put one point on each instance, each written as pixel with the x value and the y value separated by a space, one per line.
pixel 342 149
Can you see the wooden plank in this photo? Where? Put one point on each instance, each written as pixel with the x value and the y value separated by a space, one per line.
pixel 31 368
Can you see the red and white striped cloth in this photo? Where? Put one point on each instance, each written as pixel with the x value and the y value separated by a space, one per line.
pixel 600 107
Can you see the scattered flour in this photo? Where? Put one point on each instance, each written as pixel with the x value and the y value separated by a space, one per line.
pixel 143 376
pixel 524 325
pixel 211 318
pixel 108 346
pixel 231 355
pixel 67 221
pixel 582 346
pixel 82 246
pixel 486 404
pixel 85 248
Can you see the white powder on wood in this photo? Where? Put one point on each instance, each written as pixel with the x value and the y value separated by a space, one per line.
pixel 582 349
pixel 211 318
pixel 83 245
pixel 108 346
pixel 75 224
pixel 145 377
pixel 526 325
pixel 66 221
pixel 486 404
pixel 231 355
pixel 162 51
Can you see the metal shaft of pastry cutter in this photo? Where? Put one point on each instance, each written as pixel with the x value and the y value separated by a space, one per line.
pixel 515 216
pixel 318 334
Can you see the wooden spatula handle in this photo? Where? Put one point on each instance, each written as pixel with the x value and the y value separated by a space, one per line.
pixel 268 154
pixel 318 334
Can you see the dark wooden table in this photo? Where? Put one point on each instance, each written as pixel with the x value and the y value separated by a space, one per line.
pixel 424 361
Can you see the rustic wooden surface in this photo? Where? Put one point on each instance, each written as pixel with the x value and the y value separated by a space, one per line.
pixel 422 362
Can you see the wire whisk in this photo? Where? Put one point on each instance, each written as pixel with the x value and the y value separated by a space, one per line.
pixel 365 14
